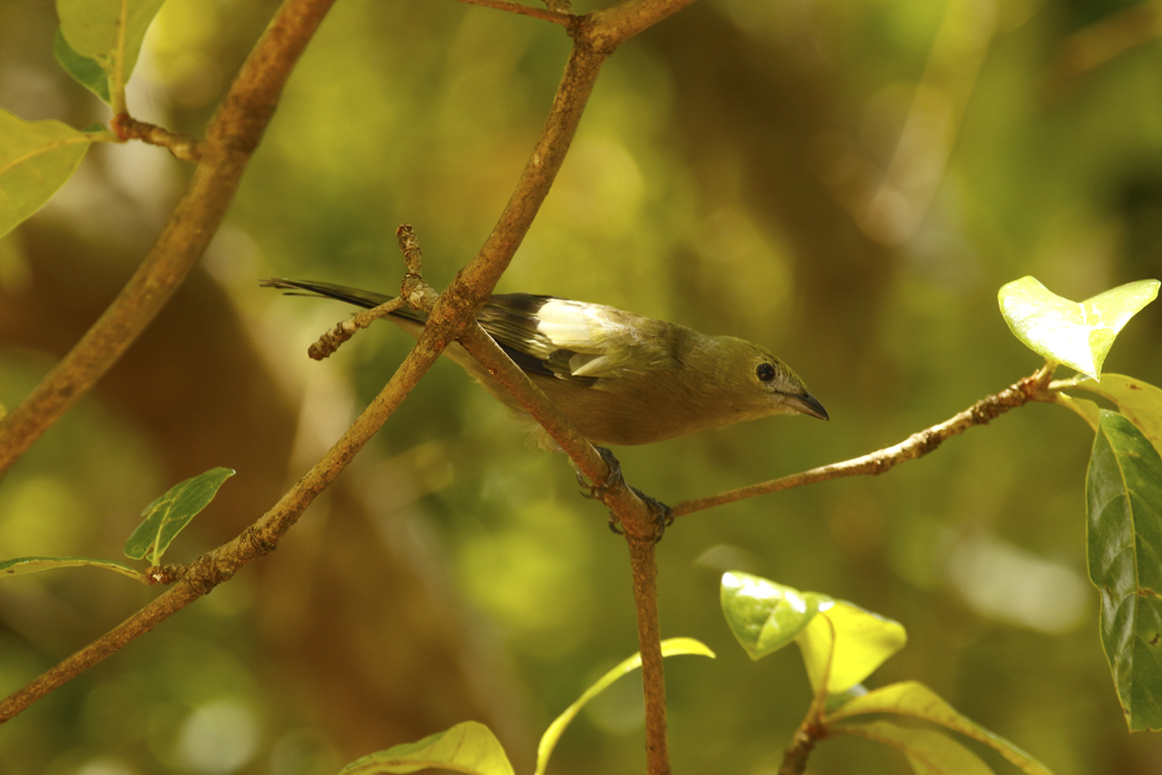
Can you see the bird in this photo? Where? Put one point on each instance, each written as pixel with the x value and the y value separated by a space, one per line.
pixel 620 378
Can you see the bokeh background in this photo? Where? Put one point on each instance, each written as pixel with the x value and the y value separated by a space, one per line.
pixel 848 183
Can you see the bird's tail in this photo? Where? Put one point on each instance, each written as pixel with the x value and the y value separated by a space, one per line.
pixel 360 298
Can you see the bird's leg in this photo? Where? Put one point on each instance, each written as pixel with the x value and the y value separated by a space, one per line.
pixel 663 514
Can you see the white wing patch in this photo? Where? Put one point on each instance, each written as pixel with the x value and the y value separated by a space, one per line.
pixel 601 343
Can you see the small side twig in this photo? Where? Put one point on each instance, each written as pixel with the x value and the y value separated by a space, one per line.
pixel 414 292
pixel 331 341
pixel 1031 388
pixel 555 14
pixel 183 147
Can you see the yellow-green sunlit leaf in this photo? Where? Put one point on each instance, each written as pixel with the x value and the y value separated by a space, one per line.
pixel 929 752
pixel 469 747
pixel 20 566
pixel 862 642
pixel 670 647
pixel 1077 334
pixel 911 698
pixel 36 158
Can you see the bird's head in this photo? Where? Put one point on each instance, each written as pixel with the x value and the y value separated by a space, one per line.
pixel 760 384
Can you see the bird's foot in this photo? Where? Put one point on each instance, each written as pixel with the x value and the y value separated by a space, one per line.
pixel 663 514
pixel 612 482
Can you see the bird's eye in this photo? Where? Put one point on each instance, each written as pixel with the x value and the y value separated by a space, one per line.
pixel 765 372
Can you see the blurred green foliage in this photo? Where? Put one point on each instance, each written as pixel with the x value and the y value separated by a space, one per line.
pixel 739 170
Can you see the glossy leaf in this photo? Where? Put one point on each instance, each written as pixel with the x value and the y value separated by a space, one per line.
pixel 20 566
pixel 863 641
pixel 1140 401
pixel 84 70
pixel 670 647
pixel 1124 537
pixel 169 514
pixel 929 752
pixel 765 616
pixel 914 699
pixel 1087 410
pixel 108 32
pixel 36 158
pixel 1077 334
pixel 468 747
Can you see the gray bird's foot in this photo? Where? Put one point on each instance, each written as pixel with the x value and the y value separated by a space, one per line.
pixel 663 514
pixel 612 482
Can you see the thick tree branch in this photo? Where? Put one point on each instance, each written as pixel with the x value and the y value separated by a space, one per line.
pixel 1031 388
pixel 232 136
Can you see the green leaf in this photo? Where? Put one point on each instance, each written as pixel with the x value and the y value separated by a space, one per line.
pixel 910 698
pixel 169 514
pixel 863 641
pixel 1124 536
pixel 468 747
pixel 21 566
pixel 1087 410
pixel 929 753
pixel 84 70
pixel 1078 335
pixel 670 647
pixel 108 32
pixel 765 616
pixel 36 158
pixel 1140 401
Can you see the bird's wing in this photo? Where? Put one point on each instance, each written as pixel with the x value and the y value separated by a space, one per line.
pixel 566 339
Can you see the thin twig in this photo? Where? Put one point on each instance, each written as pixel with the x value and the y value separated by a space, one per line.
pixel 1031 388
pixel 564 19
pixel 183 147
pixel 232 136
pixel 331 341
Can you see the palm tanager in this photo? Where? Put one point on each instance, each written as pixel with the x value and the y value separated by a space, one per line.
pixel 620 378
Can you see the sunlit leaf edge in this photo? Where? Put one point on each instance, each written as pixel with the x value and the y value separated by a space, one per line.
pixel 22 566
pixel 914 699
pixel 670 647
pixel 404 758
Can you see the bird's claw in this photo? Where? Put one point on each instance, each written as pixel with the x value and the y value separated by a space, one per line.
pixel 612 482
pixel 663 514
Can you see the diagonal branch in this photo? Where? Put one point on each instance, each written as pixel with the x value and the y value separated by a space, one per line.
pixel 1031 388
pixel 256 541
pixel 232 136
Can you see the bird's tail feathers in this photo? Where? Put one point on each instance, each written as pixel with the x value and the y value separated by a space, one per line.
pixel 356 296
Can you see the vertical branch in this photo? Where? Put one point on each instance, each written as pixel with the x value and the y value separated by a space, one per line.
pixel 643 564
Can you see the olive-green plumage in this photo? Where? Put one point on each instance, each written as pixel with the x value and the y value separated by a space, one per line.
pixel 619 377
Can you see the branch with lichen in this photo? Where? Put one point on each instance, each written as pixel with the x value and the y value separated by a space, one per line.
pixel 1032 388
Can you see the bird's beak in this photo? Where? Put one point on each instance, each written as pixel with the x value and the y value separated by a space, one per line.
pixel 808 404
